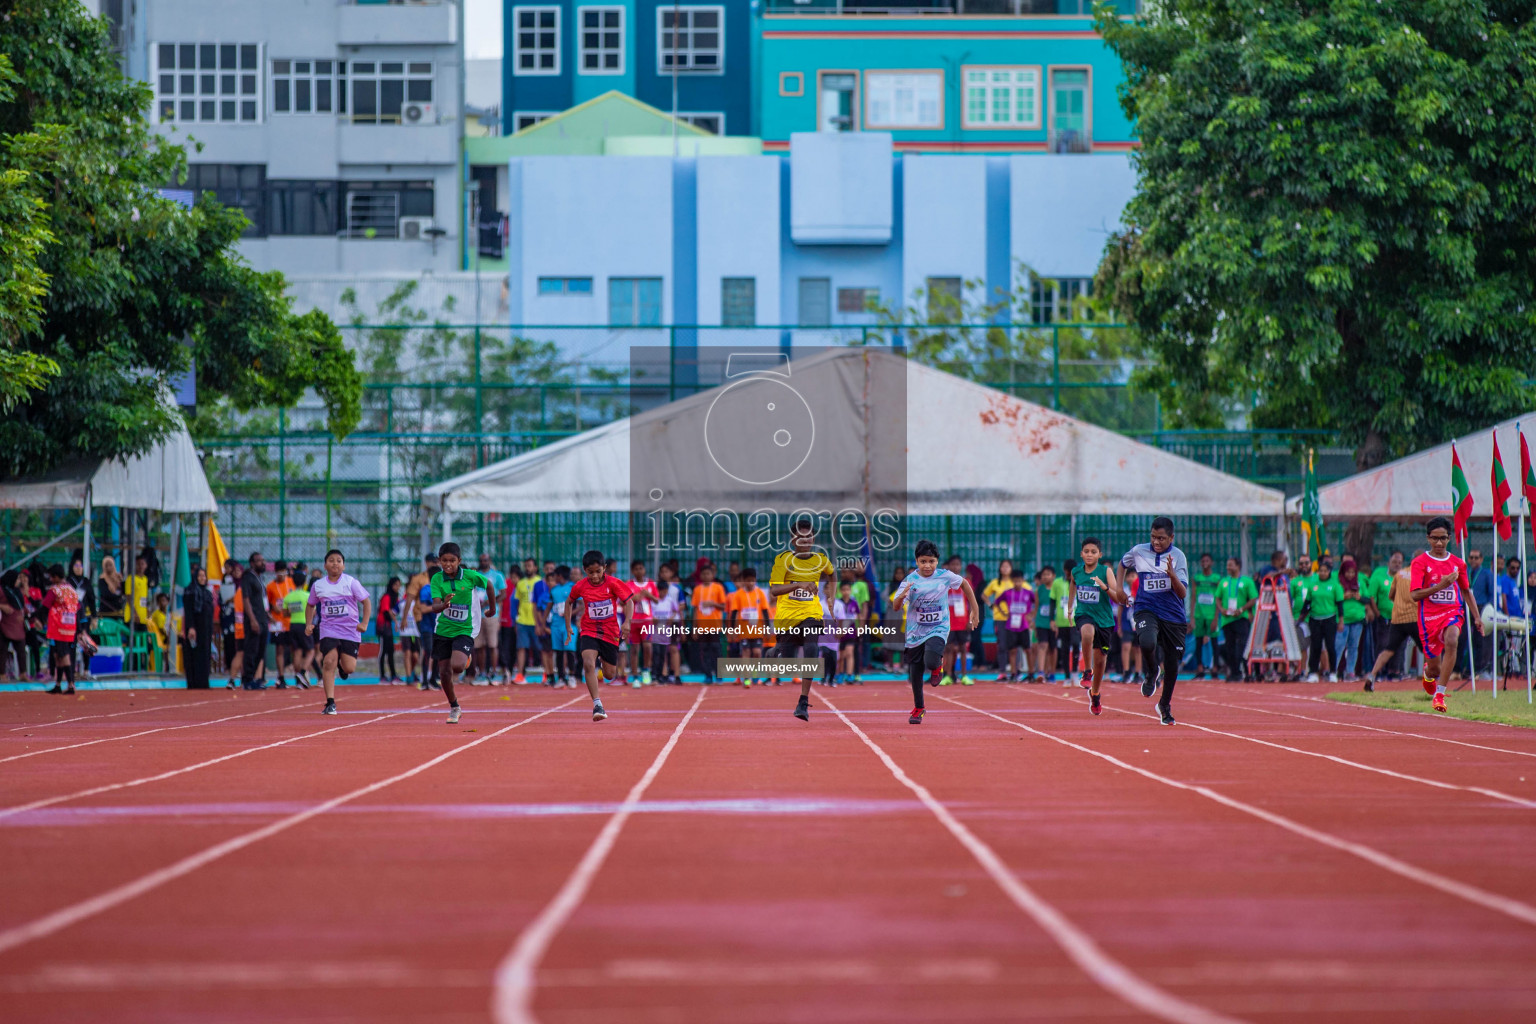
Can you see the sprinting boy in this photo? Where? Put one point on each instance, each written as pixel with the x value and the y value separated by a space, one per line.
pixel 925 593
pixel 799 576
pixel 1017 604
pixel 1094 616
pixel 748 614
pixel 1160 620
pixel 456 606
pixel 1443 589
pixel 597 601
pixel 646 596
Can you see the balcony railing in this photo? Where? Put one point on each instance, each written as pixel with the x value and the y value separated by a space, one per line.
pixel 1069 140
pixel 999 8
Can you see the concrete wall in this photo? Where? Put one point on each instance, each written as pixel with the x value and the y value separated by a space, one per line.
pixel 944 222
pixel 738 231
pixel 1064 209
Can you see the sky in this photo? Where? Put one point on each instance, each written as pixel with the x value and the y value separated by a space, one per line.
pixel 482 29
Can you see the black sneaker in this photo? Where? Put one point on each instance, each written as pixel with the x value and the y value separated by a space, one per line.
pixel 803 710
pixel 1165 715
pixel 329 709
pixel 598 714
pixel 1149 684
pixel 1370 686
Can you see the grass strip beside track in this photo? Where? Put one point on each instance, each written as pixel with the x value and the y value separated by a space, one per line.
pixel 1508 708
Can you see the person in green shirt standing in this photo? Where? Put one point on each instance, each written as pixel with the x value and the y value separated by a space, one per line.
pixel 1323 600
pixel 295 604
pixel 1236 596
pixel 1066 633
pixel 454 603
pixel 1352 616
pixel 1044 655
pixel 1202 598
pixel 528 647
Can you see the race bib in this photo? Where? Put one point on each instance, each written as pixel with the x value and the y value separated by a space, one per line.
pixel 1231 607
pixel 1154 584
pixel 456 612
pixel 67 618
pixel 1016 621
pixel 1209 599
pixel 928 618
pixel 333 609
pixel 1446 596
pixel 749 615
pixel 1087 595
pixel 801 594
pixel 642 609
pixel 600 610
pixel 239 618
pixel 558 608
pixel 957 602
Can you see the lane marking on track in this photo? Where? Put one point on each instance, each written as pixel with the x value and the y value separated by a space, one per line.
pixel 6 812
pixel 114 714
pixel 146 732
pixel 1495 794
pixel 1107 972
pixel 1369 728
pixel 512 998
pixel 61 919
pixel 1400 711
pixel 1523 912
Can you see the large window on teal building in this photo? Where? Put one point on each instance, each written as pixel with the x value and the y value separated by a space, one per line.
pixel 1002 97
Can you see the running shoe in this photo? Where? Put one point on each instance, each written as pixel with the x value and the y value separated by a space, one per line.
pixel 933 678
pixel 598 714
pixel 967 681
pixel 520 679
pixel 303 683
pixel 329 709
pixel 946 680
pixel 645 678
pixel 453 715
pixel 56 689
pixel 1165 715
pixel 1149 685
pixel 1087 679
pixel 803 710
pixel 1428 684
pixel 1094 704
pixel 1438 703
pixel 635 683
pixel 1370 686
pixel 916 718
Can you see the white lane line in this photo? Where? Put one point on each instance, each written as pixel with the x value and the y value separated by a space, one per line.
pixel 61 919
pixel 146 732
pixel 512 999
pixel 114 714
pixel 1369 728
pixel 1107 972
pixel 1437 784
pixel 6 812
pixel 1523 912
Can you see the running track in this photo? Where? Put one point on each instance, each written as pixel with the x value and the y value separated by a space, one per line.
pixel 702 856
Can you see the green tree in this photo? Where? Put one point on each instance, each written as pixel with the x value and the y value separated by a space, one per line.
pixel 23 214
pixel 1336 221
pixel 138 287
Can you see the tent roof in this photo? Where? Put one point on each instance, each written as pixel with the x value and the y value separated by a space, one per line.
pixel 167 478
pixel 1419 485
pixel 970 450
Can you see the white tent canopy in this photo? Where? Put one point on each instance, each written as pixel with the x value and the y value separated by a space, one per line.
pixel 167 478
pixel 970 450
pixel 1419 485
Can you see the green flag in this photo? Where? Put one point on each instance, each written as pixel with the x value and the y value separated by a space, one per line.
pixel 183 561
pixel 1461 496
pixel 1311 513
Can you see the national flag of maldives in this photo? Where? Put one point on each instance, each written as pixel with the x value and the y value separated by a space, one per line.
pixel 1461 497
pixel 1501 494
pixel 1527 480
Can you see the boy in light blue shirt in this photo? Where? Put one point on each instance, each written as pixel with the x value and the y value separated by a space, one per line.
pixel 926 596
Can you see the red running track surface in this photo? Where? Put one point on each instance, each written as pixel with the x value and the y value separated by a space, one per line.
pixel 702 856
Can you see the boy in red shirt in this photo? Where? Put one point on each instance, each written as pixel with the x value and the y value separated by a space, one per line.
pixel 1438 581
pixel 640 626
pixel 597 600
pixel 63 606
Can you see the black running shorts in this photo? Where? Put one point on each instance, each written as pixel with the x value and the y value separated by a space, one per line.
pixel 331 643
pixel 607 653
pixel 1103 637
pixel 444 646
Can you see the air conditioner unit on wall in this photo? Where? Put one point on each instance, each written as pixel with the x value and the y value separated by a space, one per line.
pixel 415 229
pixel 417 113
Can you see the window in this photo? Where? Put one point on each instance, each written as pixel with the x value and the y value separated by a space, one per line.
pixel 904 99
pixel 1002 97
pixel 738 302
pixel 373 209
pixel 382 90
pixel 1069 111
pixel 1052 301
pixel 565 286
pixel 528 118
pixel 300 207
pixel 634 301
pixel 690 39
pixel 815 301
pixel 601 42
pixel 791 83
pixel 856 300
pixel 214 83
pixel 835 104
pixel 309 86
pixel 712 123
pixel 945 303
pixel 241 186
pixel 536 45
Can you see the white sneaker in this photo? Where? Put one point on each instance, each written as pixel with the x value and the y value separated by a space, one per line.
pixel 1333 677
pixel 453 715
pixel 1312 677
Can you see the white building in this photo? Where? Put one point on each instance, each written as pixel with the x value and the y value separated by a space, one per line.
pixel 334 124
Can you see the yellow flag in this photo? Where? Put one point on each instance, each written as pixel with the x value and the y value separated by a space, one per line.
pixel 218 554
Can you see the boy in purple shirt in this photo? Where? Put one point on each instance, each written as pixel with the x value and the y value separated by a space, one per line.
pixel 1013 629
pixel 338 607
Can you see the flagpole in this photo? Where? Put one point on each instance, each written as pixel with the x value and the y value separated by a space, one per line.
pixel 1471 647
pixel 1495 570
pixel 1525 510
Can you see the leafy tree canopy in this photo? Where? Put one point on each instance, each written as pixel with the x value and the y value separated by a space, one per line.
pixel 23 233
pixel 1336 219
pixel 138 288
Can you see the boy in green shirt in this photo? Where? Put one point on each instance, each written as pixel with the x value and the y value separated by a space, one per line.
pixel 1094 616
pixel 1202 596
pixel 1044 657
pixel 1236 596
pixel 1066 635
pixel 454 604
pixel 295 604
pixel 1323 599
